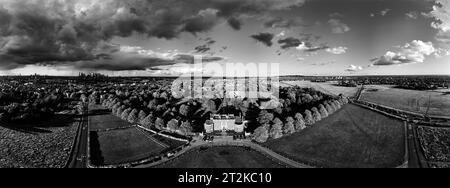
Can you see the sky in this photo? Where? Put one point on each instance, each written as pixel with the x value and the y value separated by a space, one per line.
pixel 166 37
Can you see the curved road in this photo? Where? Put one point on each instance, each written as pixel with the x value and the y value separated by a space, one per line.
pixel 243 143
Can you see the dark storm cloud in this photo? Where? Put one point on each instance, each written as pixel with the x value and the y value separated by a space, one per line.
pixel 265 38
pixel 235 23
pixel 289 42
pixel 306 41
pixel 205 47
pixel 280 22
pixel 54 32
pixel 121 61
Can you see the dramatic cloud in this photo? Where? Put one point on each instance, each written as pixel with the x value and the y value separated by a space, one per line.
pixel 305 47
pixel 204 21
pixel 441 14
pixel 290 42
pixel 338 27
pixel 280 22
pixel 205 47
pixel 54 32
pixel 337 50
pixel 414 52
pixel 235 23
pixel 137 58
pixel 265 38
pixel 354 68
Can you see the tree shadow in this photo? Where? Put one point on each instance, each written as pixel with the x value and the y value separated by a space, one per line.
pixel 41 125
pixel 99 112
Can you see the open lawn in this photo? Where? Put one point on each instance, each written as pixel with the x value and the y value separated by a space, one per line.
pixel 222 157
pixel 410 100
pixel 326 87
pixel 352 137
pixel 102 120
pixel 122 146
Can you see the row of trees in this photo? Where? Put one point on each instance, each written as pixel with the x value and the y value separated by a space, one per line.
pixel 274 128
pixel 149 120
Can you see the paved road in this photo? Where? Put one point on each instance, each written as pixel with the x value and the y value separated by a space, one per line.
pixel 242 143
pixel 79 155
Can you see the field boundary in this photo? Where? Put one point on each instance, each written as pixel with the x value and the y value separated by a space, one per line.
pixel 74 142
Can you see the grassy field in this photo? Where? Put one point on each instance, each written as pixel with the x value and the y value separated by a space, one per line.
pixel 352 137
pixel 37 145
pixel 327 87
pixel 222 157
pixel 105 121
pixel 410 100
pixel 128 145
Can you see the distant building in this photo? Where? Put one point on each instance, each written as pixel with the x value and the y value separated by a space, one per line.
pixel 224 123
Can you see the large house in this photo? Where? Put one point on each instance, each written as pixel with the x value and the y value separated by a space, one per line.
pixel 225 123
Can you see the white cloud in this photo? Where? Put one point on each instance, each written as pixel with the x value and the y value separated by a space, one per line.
pixel 354 68
pixel 414 52
pixel 412 15
pixel 442 16
pixel 385 12
pixel 381 13
pixel 337 50
pixel 302 47
pixel 338 27
pixel 281 34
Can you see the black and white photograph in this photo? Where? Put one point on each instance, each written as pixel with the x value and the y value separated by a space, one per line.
pixel 224 84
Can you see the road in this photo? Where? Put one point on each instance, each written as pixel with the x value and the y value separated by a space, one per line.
pixel 241 143
pixel 79 150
